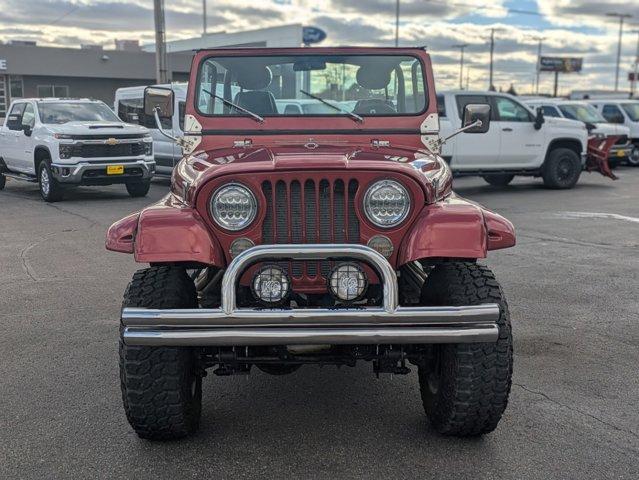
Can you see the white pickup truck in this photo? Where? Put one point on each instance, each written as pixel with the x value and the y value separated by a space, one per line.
pixel 62 142
pixel 519 141
pixel 622 112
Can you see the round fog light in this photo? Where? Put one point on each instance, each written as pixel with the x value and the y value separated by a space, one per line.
pixel 382 245
pixel 239 245
pixel 347 282
pixel 271 284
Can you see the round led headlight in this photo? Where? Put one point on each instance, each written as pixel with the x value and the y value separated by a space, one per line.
pixel 386 203
pixel 347 282
pixel 271 284
pixel 233 207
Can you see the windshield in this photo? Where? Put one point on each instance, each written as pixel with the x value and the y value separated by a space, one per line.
pixel 632 110
pixel 311 85
pixel 57 113
pixel 583 112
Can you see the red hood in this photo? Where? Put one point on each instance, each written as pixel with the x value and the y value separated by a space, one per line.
pixel 198 168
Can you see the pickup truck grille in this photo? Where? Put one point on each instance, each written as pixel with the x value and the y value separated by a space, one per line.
pixel 103 150
pixel 307 211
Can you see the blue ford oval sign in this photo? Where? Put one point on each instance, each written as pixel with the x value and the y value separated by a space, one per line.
pixel 313 35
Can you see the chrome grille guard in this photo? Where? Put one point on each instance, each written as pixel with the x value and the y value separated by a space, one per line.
pixel 389 324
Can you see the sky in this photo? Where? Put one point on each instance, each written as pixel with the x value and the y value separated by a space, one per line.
pixel 569 27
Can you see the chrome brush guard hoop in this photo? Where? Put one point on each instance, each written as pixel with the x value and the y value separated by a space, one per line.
pixel 388 324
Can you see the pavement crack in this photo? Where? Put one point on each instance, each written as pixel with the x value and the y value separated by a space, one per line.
pixel 571 241
pixel 25 262
pixel 69 212
pixel 576 410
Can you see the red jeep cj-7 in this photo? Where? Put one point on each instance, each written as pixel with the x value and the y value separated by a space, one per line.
pixel 311 221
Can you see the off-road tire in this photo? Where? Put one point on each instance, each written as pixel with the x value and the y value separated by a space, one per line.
pixel 465 386
pixel 561 169
pixel 3 181
pixel 50 190
pixel 138 188
pixel 499 180
pixel 161 386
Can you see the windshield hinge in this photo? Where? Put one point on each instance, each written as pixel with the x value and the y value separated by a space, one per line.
pixel 247 142
pixel 380 143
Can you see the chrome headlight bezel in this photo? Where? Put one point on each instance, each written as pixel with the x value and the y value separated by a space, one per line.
pixel 214 210
pixel 370 192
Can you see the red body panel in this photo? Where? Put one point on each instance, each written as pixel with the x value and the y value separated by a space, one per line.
pixel 440 224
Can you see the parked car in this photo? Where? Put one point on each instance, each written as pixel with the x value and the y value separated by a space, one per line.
pixel 62 143
pixel 597 125
pixel 282 239
pixel 626 113
pixel 519 141
pixel 129 105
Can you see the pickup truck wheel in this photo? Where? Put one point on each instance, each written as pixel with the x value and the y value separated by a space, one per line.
pixel 499 180
pixel 633 158
pixel 3 181
pixel 50 189
pixel 161 386
pixel 465 386
pixel 138 188
pixel 561 169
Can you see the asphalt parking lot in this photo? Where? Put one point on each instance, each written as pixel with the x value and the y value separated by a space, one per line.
pixel 572 283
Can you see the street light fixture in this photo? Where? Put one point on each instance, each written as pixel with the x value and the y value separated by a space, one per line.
pixel 622 17
pixel 461 47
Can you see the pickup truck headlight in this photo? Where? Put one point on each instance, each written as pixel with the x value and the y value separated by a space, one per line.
pixel 148 145
pixel 233 207
pixel 386 203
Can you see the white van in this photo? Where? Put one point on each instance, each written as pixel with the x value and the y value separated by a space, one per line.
pixel 129 105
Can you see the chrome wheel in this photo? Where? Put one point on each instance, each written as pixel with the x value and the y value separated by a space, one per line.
pixel 633 159
pixel 45 184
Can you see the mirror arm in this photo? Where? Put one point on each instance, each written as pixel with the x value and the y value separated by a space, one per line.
pixel 158 124
pixel 476 123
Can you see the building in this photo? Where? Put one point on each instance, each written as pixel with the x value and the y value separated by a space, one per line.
pixel 33 71
pixel 273 37
pixel 28 70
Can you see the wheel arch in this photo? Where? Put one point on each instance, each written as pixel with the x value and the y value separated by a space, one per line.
pixel 566 142
pixel 40 153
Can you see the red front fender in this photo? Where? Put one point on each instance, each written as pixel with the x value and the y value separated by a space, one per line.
pixel 167 231
pixel 455 228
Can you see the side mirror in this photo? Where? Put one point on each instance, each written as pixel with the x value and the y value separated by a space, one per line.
pixel 477 114
pixel 539 118
pixel 158 100
pixel 27 130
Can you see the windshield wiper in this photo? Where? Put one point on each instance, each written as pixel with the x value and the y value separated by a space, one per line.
pixel 254 116
pixel 354 116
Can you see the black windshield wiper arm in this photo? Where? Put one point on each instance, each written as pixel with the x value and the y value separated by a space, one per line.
pixel 354 116
pixel 254 116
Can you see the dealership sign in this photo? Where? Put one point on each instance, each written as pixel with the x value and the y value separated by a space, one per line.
pixel 313 35
pixel 560 64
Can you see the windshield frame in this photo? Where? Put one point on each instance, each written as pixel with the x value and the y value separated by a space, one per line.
pixel 88 102
pixel 219 54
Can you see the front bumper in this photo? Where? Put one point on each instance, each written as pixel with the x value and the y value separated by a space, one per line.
pixel 621 151
pixel 389 324
pixel 94 171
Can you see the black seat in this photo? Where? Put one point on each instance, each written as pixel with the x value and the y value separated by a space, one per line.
pixel 372 106
pixel 260 102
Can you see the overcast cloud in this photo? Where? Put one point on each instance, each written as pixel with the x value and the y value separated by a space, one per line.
pixel 570 27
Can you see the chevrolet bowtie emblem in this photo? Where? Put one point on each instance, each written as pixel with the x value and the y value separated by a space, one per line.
pixel 112 141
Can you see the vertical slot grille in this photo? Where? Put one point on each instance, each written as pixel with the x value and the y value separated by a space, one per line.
pixel 306 211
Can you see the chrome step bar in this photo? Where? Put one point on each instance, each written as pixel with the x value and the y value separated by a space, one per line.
pixel 230 326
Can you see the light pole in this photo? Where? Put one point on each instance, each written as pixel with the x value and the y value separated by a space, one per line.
pixel 161 74
pixel 461 47
pixel 203 17
pixel 540 40
pixel 491 87
pixel 621 17
pixel 635 67
pixel 397 23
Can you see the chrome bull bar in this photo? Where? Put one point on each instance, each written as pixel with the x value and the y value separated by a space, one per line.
pixel 390 323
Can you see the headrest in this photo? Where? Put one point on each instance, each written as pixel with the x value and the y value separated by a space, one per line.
pixel 254 78
pixel 373 77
